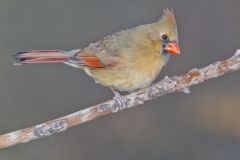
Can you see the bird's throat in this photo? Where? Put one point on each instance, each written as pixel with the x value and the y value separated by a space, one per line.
pixel 166 57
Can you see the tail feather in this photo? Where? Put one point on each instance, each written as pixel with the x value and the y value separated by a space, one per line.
pixel 43 56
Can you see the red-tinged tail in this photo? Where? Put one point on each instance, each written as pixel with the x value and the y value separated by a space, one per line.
pixel 43 56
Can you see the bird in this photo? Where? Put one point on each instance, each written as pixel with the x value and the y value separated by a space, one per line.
pixel 126 60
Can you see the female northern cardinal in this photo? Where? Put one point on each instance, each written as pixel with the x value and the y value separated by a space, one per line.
pixel 126 60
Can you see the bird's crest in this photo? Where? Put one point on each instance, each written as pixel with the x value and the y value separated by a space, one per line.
pixel 168 17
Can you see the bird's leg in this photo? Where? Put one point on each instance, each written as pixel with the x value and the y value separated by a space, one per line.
pixel 120 101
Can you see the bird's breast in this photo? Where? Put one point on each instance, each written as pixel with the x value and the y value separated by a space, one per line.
pixel 138 74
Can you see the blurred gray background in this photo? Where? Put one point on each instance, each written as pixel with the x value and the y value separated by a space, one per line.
pixel 201 125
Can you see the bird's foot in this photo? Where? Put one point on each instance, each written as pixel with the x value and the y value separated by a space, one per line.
pixel 120 102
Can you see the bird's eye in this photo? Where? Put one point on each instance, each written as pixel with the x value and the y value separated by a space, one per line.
pixel 164 37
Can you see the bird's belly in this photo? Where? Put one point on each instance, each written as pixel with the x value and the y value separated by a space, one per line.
pixel 125 79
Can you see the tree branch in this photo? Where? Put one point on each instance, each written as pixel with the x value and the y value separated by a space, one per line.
pixel 167 85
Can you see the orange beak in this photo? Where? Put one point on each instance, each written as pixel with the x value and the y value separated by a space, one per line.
pixel 172 48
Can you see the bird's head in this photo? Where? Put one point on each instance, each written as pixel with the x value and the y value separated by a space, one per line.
pixel 164 32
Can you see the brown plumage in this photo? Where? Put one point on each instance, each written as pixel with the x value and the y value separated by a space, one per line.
pixel 126 60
